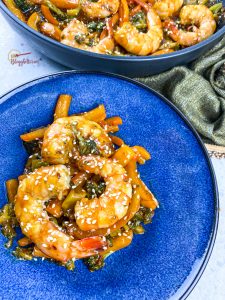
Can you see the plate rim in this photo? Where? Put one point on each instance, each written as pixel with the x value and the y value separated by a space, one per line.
pixel 188 288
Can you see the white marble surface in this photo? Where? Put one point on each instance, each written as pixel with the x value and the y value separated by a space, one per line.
pixel 212 284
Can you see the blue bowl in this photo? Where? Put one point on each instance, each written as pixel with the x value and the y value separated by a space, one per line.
pixel 130 66
pixel 168 260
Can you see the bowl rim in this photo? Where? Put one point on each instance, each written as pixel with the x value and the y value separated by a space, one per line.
pixel 185 289
pixel 134 58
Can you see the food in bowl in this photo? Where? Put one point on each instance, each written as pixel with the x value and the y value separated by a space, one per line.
pixel 122 27
pixel 80 195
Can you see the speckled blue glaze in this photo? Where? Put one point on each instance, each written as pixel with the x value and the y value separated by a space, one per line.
pixel 168 259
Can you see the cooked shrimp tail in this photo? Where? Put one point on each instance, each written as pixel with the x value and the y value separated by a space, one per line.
pixel 88 246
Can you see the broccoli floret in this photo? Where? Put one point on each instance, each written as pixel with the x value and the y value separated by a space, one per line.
pixel 94 190
pixel 94 262
pixel 8 222
pixel 87 147
pixel 92 26
pixel 32 147
pixel 100 26
pixel 23 253
pixel 34 162
pixel 139 21
pixel 24 6
pixel 95 26
pixel 70 265
pixel 144 215
pixel 80 38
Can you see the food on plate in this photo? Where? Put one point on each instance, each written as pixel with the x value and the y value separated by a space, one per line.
pixel 123 27
pixel 80 195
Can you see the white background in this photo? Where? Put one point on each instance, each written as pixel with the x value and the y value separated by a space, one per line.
pixel 212 284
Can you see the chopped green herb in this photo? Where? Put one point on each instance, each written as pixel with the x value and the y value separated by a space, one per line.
pixel 92 26
pixel 34 162
pixel 144 215
pixel 8 222
pixel 70 265
pixel 25 6
pixel 37 163
pixel 91 42
pixel 94 262
pixel 95 26
pixel 94 189
pixel 100 26
pixel 86 147
pixel 80 38
pixel 139 21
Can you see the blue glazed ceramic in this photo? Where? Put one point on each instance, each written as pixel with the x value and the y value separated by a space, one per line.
pixel 130 66
pixel 167 261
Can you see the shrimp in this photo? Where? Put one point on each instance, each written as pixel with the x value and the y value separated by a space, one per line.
pixel 76 35
pixel 63 138
pixel 167 8
pixel 136 42
pixel 113 204
pixel 198 15
pixel 100 9
pixel 36 189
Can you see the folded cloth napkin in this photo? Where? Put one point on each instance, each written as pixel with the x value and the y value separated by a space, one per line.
pixel 198 90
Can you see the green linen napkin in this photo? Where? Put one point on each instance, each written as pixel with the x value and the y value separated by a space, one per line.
pixel 198 90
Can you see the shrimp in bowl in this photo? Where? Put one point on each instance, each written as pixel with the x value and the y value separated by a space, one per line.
pixel 120 27
pixel 80 195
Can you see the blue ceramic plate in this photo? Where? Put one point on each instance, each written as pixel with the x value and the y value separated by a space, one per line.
pixel 169 258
